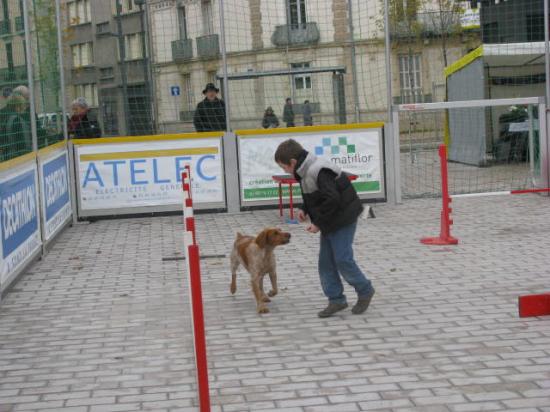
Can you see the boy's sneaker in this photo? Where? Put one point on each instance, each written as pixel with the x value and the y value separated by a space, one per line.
pixel 331 309
pixel 362 304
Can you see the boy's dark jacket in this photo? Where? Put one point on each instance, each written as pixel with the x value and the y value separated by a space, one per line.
pixel 330 200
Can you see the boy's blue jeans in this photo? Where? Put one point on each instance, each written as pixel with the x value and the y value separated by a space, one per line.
pixel 335 258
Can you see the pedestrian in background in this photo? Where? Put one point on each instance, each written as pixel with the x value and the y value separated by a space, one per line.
pixel 82 125
pixel 308 117
pixel 288 113
pixel 270 119
pixel 210 113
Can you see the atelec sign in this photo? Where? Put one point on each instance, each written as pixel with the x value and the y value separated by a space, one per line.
pixel 131 175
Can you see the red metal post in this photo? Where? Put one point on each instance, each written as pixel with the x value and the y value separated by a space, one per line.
pixel 522 192
pixel 198 328
pixel 291 202
pixel 534 305
pixel 280 199
pixel 445 237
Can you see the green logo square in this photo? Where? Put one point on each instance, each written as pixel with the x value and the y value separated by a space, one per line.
pixel 335 149
pixel 343 141
pixel 351 148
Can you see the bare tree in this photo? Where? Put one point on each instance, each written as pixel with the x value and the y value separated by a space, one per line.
pixel 444 22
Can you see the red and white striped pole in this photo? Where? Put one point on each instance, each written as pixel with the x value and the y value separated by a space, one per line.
pixel 195 294
pixel 198 327
pixel 502 193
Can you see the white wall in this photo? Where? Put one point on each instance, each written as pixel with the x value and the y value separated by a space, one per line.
pixel 367 17
pixel 273 14
pixel 320 12
pixel 165 29
pixel 238 31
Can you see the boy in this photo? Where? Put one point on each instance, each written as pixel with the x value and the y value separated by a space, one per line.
pixel 332 205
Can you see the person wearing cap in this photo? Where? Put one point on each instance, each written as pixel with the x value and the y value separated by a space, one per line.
pixel 210 113
pixel 270 119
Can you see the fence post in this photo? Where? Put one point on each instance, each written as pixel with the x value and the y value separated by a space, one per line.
pixel 30 74
pixel 231 173
pixel 224 64
pixel 198 328
pixel 445 237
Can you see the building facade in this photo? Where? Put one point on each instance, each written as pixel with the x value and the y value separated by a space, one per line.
pixel 97 34
pixel 340 60
pixel 281 35
pixel 13 70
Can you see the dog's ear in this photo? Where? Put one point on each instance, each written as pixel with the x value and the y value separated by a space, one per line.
pixel 263 238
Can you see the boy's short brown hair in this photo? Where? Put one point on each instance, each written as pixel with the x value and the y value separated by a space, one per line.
pixel 289 149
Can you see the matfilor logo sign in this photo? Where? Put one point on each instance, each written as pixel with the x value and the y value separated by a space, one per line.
pixel 341 152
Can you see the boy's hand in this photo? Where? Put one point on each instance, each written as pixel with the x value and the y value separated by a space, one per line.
pixel 312 228
pixel 301 216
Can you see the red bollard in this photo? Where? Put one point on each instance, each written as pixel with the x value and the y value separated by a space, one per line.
pixel 534 305
pixel 198 328
pixel 445 237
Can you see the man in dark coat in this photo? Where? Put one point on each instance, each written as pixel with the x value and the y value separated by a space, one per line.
pixel 288 113
pixel 210 113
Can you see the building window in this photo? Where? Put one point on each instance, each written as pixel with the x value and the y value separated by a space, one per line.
pixel 207 17
pixel 5 10
pixel 107 73
pixel 88 91
pixel 79 12
pixel 535 27
pixel 301 81
pixel 187 94
pixel 134 46
pixel 296 10
pixel 126 6
pixel 410 78
pixel 182 23
pixel 9 55
pixel 82 54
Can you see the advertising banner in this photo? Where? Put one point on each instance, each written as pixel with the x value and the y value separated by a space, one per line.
pixel 148 173
pixel 20 226
pixel 56 199
pixel 355 151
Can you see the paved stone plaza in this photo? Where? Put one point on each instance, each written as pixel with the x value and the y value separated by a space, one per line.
pixel 102 323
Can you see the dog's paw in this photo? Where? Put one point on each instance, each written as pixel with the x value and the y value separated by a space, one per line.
pixel 263 309
pixel 272 293
pixel 266 299
pixel 233 288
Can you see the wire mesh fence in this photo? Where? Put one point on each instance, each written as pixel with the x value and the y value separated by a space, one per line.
pixel 44 92
pixel 142 67
pixel 490 149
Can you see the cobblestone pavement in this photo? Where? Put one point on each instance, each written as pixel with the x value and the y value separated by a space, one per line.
pixel 102 322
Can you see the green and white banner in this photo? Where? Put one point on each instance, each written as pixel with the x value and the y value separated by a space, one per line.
pixel 356 151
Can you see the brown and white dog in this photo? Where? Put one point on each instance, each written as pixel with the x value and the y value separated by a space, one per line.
pixel 256 255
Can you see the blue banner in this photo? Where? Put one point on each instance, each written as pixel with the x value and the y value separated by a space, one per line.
pixel 18 211
pixel 56 185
